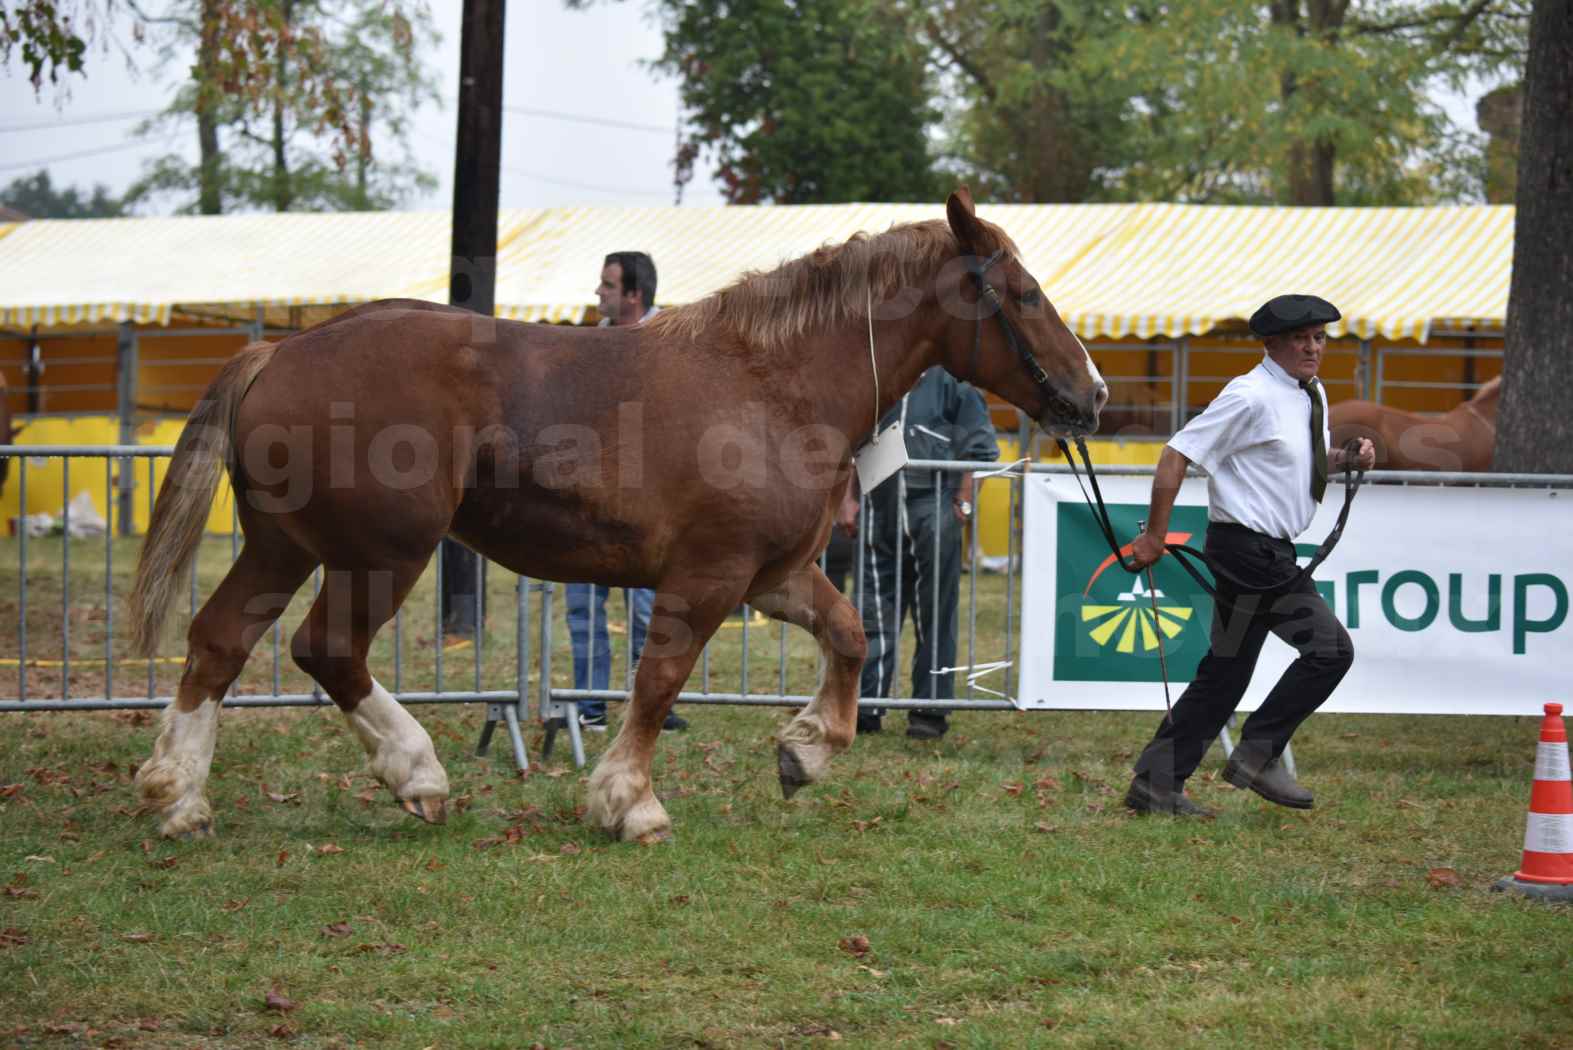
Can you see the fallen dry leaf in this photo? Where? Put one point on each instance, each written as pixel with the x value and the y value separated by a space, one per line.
pixel 857 944
pixel 11 937
pixel 293 796
pixel 281 1031
pixel 1045 827
pixel 1442 878
pixel 330 848
pixel 235 904
pixel 338 929
pixel 20 892
pixel 570 849
pixel 137 937
pixel 276 1000
pixel 1013 790
pixel 946 1020
pixel 282 857
pixel 1047 783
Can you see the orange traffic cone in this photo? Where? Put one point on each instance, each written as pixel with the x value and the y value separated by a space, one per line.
pixel 1547 870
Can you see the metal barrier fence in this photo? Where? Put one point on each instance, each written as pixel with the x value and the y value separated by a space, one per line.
pixel 423 669
pixel 55 666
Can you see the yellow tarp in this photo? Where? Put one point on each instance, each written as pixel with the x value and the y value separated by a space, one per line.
pixel 1113 270
pixel 47 482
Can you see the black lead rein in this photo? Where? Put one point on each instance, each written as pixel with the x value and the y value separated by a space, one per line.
pixel 1353 478
pixel 1059 405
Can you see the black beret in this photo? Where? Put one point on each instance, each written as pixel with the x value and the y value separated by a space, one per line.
pixel 1285 313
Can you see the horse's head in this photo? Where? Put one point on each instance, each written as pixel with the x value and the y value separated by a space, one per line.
pixel 1008 337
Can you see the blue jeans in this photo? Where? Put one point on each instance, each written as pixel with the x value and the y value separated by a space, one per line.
pixel 587 604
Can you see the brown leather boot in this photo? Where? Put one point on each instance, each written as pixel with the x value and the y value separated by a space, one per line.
pixel 1271 780
pixel 1144 798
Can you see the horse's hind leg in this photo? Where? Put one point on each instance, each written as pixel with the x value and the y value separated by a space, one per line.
pixel 331 646
pixel 259 585
pixel 805 745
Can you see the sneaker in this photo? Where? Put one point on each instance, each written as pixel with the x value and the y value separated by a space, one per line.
pixel 674 722
pixel 868 723
pixel 924 726
pixel 593 723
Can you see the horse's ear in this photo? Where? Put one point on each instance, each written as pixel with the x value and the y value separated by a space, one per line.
pixel 963 219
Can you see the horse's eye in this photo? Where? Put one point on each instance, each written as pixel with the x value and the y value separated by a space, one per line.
pixel 1031 297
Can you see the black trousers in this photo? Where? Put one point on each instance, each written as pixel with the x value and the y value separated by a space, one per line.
pixel 914 573
pixel 1241 622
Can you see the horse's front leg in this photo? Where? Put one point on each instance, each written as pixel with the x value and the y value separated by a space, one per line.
pixel 826 726
pixel 622 800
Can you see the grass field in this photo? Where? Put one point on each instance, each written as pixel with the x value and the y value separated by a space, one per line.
pixel 986 890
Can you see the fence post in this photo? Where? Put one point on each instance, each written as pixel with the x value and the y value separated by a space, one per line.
pixel 126 352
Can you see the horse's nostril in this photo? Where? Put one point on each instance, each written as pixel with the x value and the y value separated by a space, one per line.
pixel 1100 397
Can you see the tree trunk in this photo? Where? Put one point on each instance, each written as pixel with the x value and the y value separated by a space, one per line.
pixel 363 149
pixel 1535 426
pixel 210 194
pixel 283 196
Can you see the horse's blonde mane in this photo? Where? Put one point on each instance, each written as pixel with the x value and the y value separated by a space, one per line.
pixel 769 310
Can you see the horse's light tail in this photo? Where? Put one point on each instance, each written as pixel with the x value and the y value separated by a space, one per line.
pixel 203 451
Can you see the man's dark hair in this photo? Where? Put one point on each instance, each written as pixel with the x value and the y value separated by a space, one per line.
pixel 638 274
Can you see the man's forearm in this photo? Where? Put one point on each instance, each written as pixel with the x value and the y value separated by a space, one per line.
pixel 1165 487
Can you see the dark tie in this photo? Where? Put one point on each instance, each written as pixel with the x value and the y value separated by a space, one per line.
pixel 1318 445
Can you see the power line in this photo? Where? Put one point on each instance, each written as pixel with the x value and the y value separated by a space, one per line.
pixel 578 118
pixel 44 162
pixel 619 190
pixel 100 118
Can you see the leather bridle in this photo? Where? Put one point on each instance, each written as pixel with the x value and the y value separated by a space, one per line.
pixel 1054 401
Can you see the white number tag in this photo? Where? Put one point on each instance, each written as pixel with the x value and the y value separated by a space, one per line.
pixel 881 457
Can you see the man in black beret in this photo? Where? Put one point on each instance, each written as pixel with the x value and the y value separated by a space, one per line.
pixel 1263 443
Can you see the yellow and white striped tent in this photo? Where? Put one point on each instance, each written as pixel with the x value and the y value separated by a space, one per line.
pixel 1115 271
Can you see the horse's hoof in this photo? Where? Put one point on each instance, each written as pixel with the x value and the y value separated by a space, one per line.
pixel 201 831
pixel 431 810
pixel 652 838
pixel 791 771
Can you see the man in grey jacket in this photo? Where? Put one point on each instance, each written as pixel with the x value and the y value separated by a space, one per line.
pixel 942 418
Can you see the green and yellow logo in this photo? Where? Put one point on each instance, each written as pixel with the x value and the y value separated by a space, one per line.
pixel 1109 630
pixel 1132 620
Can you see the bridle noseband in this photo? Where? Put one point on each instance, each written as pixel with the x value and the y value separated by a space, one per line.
pixel 1055 402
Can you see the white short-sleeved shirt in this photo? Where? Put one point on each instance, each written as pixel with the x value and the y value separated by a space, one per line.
pixel 1253 442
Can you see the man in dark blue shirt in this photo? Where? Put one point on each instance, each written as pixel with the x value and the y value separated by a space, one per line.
pixel 942 418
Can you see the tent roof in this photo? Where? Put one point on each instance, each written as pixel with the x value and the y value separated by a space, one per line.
pixel 1114 270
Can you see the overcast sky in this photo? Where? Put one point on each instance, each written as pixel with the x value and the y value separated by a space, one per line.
pixel 577 63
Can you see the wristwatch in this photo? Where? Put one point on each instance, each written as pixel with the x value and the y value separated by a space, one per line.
pixel 965 507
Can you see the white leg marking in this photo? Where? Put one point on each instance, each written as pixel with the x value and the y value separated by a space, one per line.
pixel 806 738
pixel 621 801
pixel 399 750
pixel 174 781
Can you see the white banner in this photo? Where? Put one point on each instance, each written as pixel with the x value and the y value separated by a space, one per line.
pixel 1456 598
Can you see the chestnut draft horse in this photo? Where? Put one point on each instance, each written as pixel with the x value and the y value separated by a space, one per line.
pixel 701 454
pixel 1463 439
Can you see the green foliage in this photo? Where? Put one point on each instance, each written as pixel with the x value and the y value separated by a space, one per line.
pixel 1227 101
pixel 801 101
pixel 49 35
pixel 36 196
pixel 300 93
